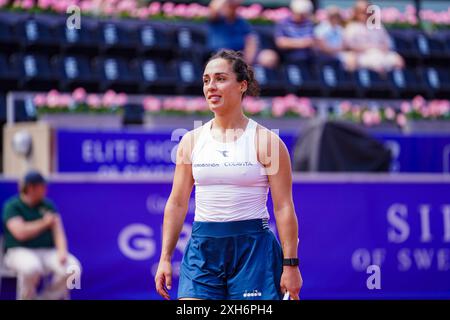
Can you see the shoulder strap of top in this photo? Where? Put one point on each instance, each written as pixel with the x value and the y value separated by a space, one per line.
pixel 203 136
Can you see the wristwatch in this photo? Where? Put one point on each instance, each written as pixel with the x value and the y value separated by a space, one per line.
pixel 290 262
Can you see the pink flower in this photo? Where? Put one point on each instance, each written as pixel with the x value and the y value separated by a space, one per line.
pixel 154 8
pixel 418 102
pixel 109 99
pixel 3 2
pixel 376 117
pixel 79 95
pixel 180 10
pixel 345 106
pixel 201 104
pixel 444 107
pixel 389 113
pixel 252 105
pixel 278 107
pixel 93 101
pixel 121 99
pixel 405 107
pixel 86 6
pixel 27 4
pixel 401 120
pixel 367 118
pixel 143 13
pixel 152 104
pixel 40 100
pixel 168 8
pixel 53 98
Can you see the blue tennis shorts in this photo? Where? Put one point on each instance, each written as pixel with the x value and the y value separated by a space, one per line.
pixel 236 260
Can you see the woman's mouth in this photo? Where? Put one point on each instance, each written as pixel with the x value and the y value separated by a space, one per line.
pixel 214 98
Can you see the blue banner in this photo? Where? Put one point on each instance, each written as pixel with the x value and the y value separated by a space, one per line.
pixel 374 240
pixel 139 151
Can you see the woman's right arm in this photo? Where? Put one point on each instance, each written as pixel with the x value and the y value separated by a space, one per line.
pixel 175 213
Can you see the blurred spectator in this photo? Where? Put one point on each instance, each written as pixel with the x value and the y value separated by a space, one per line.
pixel 371 46
pixel 329 36
pixel 295 35
pixel 35 241
pixel 229 31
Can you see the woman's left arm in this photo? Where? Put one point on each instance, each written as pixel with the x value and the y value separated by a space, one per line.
pixel 273 154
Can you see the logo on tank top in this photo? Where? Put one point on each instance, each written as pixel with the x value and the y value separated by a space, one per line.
pixel 224 153
pixel 254 293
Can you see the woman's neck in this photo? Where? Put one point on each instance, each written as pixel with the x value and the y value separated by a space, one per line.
pixel 230 121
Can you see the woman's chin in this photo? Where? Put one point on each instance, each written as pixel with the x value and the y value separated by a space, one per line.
pixel 215 107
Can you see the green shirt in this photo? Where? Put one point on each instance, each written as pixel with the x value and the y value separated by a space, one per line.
pixel 15 207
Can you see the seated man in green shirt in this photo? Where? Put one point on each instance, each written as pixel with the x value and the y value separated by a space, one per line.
pixel 35 241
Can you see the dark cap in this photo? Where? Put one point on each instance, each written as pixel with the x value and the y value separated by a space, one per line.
pixel 33 177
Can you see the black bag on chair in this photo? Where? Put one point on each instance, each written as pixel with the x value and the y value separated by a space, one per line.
pixel 335 146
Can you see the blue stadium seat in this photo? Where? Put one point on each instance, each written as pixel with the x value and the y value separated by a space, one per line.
pixel 271 81
pixel 156 41
pixel 372 85
pixel 9 76
pixel 431 47
pixel 265 37
pixel 8 43
pixel 438 81
pixel 116 38
pixel 189 77
pixel 191 43
pixel 35 71
pixel 337 82
pixel 37 35
pixel 407 83
pixel 403 43
pixel 156 76
pixel 301 80
pixel 114 73
pixel 76 71
pixel 84 40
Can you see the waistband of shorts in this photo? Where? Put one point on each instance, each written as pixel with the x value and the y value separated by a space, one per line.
pixel 229 228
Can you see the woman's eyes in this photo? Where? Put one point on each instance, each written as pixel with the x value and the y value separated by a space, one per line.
pixel 220 79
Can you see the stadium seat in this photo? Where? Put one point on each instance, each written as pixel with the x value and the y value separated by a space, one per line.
pixel 156 76
pixel 438 81
pixel 115 74
pixel 84 40
pixel 191 43
pixel 403 43
pixel 35 71
pixel 271 81
pixel 265 38
pixel 37 35
pixel 189 77
pixel 116 39
pixel 431 48
pixel 8 43
pixel 9 76
pixel 156 41
pixel 301 80
pixel 373 85
pixel 337 82
pixel 76 71
pixel 407 83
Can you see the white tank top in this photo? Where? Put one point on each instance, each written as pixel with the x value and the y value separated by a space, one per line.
pixel 230 183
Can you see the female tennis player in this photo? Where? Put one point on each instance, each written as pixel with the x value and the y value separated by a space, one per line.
pixel 232 161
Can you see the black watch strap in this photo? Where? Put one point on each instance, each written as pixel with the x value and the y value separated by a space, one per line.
pixel 290 262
